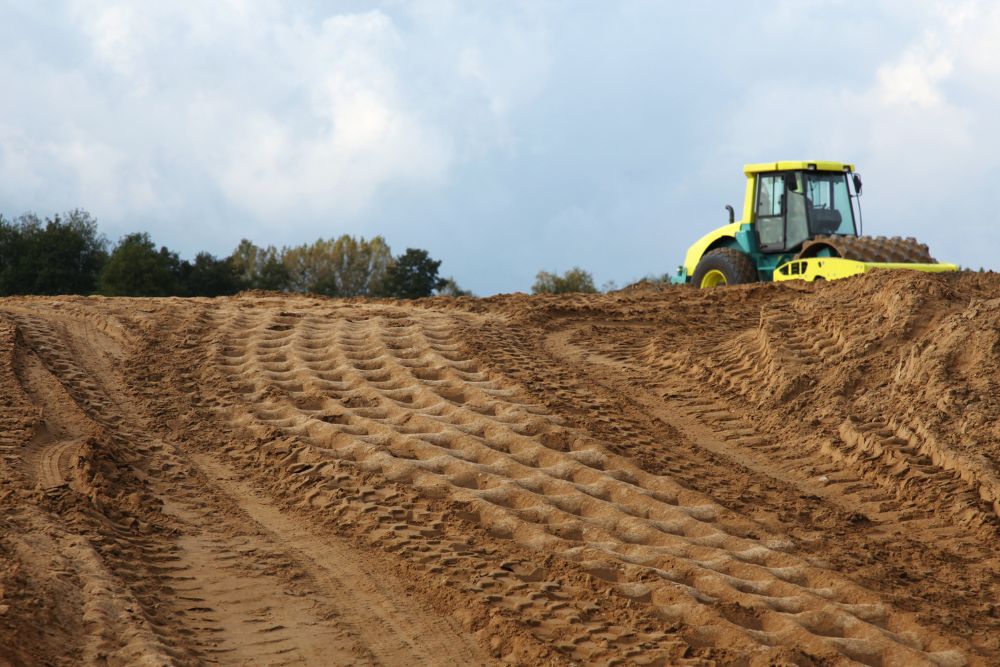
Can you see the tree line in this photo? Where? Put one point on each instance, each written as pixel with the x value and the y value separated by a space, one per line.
pixel 575 280
pixel 66 254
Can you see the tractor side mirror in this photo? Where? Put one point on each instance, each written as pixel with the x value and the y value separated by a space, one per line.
pixel 791 183
pixel 857 183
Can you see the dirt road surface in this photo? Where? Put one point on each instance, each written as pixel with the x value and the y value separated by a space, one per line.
pixel 757 475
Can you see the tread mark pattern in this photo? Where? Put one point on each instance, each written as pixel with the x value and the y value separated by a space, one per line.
pixel 396 397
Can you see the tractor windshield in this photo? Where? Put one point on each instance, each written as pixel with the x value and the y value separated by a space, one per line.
pixel 818 204
pixel 829 204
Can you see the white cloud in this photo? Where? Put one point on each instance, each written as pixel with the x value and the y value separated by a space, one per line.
pixel 356 132
pixel 105 176
pixel 17 166
pixel 284 111
pixel 117 35
pixel 482 131
pixel 914 78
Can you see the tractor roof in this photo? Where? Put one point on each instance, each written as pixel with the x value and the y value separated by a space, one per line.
pixel 792 165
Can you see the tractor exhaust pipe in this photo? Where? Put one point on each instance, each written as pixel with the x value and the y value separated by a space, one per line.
pixel 732 214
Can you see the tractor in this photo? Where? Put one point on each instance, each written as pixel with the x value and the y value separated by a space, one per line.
pixel 801 221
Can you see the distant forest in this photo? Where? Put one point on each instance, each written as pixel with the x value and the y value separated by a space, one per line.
pixel 66 254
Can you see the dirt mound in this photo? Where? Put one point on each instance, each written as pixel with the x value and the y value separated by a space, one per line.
pixel 764 474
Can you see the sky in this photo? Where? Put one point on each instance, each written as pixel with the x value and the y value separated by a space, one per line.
pixel 503 137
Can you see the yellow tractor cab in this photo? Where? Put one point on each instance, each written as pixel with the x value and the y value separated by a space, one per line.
pixel 797 210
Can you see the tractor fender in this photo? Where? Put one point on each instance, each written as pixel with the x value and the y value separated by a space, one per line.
pixel 723 237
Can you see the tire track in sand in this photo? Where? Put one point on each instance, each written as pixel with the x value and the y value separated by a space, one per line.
pixel 368 603
pixel 221 589
pixel 351 412
pixel 54 449
pixel 109 603
pixel 392 629
pixel 886 482
pixel 397 394
pixel 890 471
pixel 783 357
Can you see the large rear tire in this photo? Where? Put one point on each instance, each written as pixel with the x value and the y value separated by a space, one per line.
pixel 724 266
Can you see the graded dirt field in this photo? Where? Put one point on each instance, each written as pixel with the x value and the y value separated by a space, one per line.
pixel 756 475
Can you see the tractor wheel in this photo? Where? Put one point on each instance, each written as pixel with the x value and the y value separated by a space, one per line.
pixel 724 266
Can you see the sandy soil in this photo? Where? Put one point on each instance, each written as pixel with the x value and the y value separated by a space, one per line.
pixel 760 475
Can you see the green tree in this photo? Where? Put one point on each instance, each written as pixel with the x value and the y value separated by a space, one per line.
pixel 311 268
pixel 574 280
pixel 360 266
pixel 62 255
pixel 209 276
pixel 345 266
pixel 244 261
pixel 260 268
pixel 273 275
pixel 15 272
pixel 450 288
pixel 413 275
pixel 137 268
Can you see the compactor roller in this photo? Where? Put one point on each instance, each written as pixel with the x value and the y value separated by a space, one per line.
pixel 800 221
pixel 868 249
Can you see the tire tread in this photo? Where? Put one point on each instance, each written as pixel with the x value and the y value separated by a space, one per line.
pixel 736 265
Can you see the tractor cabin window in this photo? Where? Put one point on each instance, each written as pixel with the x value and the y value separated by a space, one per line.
pixel 797 209
pixel 770 212
pixel 829 204
pixel 818 204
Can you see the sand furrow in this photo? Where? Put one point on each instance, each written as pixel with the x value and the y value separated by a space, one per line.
pixel 573 497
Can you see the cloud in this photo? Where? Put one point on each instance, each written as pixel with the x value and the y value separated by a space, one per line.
pixel 914 78
pixel 117 35
pixel 504 138
pixel 273 111
pixel 322 129
pixel 355 130
pixel 920 126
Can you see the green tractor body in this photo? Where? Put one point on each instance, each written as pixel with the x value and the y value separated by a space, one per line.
pixel 803 211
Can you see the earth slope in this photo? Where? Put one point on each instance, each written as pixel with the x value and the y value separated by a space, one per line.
pixel 758 475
